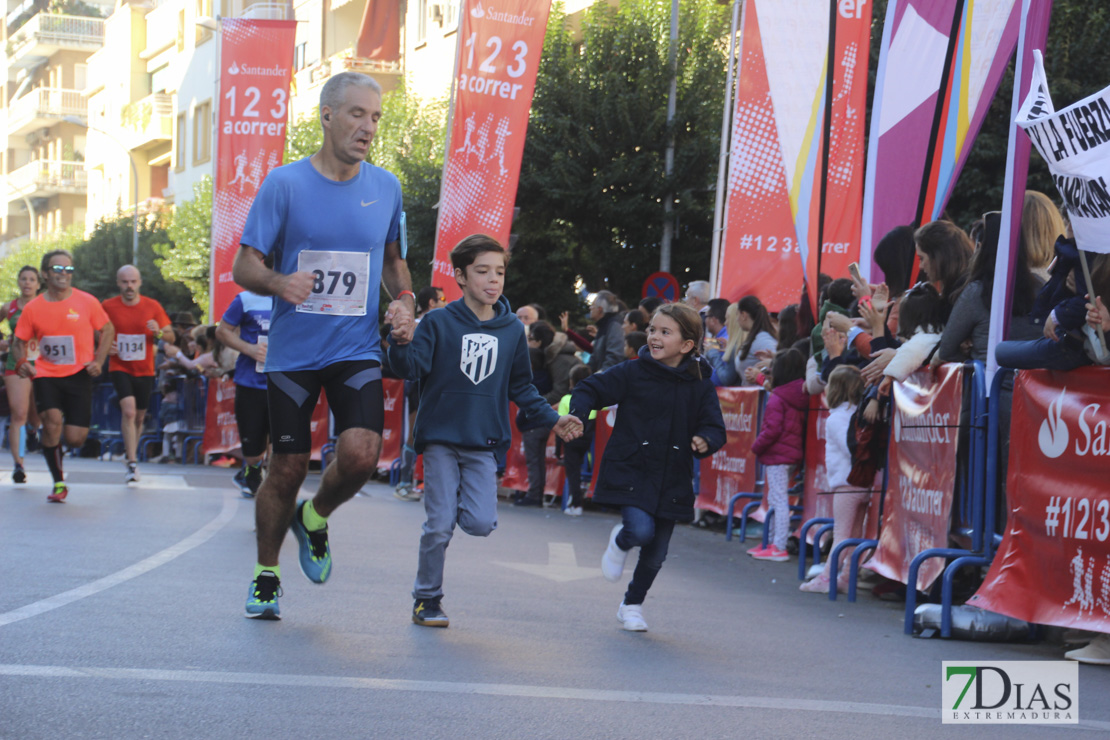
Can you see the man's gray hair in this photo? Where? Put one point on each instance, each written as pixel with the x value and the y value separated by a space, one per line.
pixel 335 89
pixel 607 301
pixel 699 289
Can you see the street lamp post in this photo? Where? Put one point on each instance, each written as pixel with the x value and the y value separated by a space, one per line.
pixel 134 175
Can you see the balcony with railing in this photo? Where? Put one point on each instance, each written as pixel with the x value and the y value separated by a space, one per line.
pixel 320 72
pixel 148 121
pixel 44 106
pixel 43 178
pixel 48 33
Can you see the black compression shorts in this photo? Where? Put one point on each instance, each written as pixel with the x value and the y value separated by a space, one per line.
pixel 139 386
pixel 71 394
pixel 354 393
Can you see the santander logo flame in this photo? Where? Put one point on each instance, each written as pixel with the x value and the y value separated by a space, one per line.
pixel 1053 436
pixel 478 11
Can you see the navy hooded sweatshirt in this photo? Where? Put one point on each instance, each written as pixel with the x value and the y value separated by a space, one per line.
pixel 469 370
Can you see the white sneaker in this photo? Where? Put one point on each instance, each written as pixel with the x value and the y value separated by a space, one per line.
pixel 612 562
pixel 631 617
pixel 1096 653
pixel 132 475
pixel 573 511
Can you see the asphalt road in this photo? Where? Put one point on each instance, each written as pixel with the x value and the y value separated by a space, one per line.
pixel 121 617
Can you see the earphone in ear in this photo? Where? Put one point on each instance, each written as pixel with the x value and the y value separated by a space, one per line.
pixel 327 117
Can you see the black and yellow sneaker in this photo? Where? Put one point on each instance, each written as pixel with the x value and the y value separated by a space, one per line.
pixel 262 597
pixel 428 613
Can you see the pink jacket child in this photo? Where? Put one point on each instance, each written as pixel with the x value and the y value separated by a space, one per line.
pixel 781 439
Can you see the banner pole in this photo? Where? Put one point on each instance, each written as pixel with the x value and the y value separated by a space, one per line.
pixel 1100 347
pixel 723 157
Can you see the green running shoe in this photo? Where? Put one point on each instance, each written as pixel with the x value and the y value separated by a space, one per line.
pixel 315 555
pixel 262 598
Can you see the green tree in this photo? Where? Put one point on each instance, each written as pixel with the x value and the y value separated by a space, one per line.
pixel 109 247
pixel 592 182
pixel 186 256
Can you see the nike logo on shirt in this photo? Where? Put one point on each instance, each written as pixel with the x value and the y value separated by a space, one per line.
pixel 368 204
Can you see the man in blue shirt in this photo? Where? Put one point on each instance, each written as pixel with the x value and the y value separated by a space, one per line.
pixel 332 223
pixel 244 328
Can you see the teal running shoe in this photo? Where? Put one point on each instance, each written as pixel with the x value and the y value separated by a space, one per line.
pixel 315 555
pixel 262 598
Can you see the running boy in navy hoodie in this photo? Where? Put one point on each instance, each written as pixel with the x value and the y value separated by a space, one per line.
pixel 471 359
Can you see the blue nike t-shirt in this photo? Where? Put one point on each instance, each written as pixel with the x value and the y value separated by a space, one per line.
pixel 251 313
pixel 338 232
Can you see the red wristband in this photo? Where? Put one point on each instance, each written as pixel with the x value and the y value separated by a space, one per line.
pixel 404 293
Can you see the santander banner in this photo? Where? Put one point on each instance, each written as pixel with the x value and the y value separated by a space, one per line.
pixel 1053 566
pixel 498 56
pixel 922 473
pixel 731 469
pixel 516 466
pixel 816 499
pixel 221 433
pixel 257 60
pixel 393 401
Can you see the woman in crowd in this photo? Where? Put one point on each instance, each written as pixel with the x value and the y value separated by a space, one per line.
pixel 20 395
pixel 966 333
pixel 755 320
pixel 608 347
pixel 724 369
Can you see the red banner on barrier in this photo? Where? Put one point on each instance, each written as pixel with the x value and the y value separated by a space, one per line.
pixel 516 468
pixel 922 473
pixel 393 392
pixel 221 433
pixel 732 468
pixel 256 57
pixel 499 54
pixel 606 419
pixel 816 498
pixel 1053 566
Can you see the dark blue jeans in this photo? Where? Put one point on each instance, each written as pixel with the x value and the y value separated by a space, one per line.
pixel 653 536
pixel 1067 354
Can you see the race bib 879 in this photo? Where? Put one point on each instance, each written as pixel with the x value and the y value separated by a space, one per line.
pixel 341 282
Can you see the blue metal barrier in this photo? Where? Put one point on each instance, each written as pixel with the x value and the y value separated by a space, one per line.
pixel 194 397
pixel 744 516
pixel 980 412
pixel 106 423
pixel 803 536
pixel 394 468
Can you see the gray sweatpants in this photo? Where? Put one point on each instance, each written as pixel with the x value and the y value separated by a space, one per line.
pixel 460 486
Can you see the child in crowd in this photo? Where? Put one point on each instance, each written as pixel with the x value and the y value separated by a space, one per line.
pixel 574 452
pixel 780 444
pixel 471 359
pixel 669 414
pixel 843 393
pixel 633 340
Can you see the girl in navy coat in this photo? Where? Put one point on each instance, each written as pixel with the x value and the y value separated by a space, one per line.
pixel 669 414
pixel 781 443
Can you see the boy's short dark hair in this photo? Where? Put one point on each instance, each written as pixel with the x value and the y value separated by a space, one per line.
pixel 717 308
pixel 649 304
pixel 635 339
pixel 578 373
pixel 840 292
pixel 466 251
pixel 542 332
pixel 425 297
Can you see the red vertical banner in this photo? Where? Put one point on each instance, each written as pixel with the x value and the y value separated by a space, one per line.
pixel 1053 566
pixel 731 469
pixel 256 60
pixel 606 420
pixel 921 473
pixel 516 466
pixel 319 427
pixel 498 57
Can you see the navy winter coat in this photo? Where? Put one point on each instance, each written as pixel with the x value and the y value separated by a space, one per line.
pixel 648 462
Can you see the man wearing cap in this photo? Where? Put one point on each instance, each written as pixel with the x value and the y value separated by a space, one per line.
pixel 139 322
pixel 332 222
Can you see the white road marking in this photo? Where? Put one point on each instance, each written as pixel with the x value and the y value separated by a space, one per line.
pixel 494 689
pixel 202 535
pixel 562 565
pixel 38 479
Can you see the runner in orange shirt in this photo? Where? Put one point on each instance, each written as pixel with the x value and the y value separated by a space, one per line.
pixel 60 324
pixel 139 322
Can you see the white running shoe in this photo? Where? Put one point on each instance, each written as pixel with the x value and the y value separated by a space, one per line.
pixel 573 511
pixel 612 562
pixel 1096 653
pixel 631 617
pixel 132 475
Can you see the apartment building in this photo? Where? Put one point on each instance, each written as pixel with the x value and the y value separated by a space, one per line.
pixel 43 116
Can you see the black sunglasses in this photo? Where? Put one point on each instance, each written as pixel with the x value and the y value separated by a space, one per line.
pixel 59 269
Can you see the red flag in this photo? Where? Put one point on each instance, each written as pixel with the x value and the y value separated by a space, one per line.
pixel 379 36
